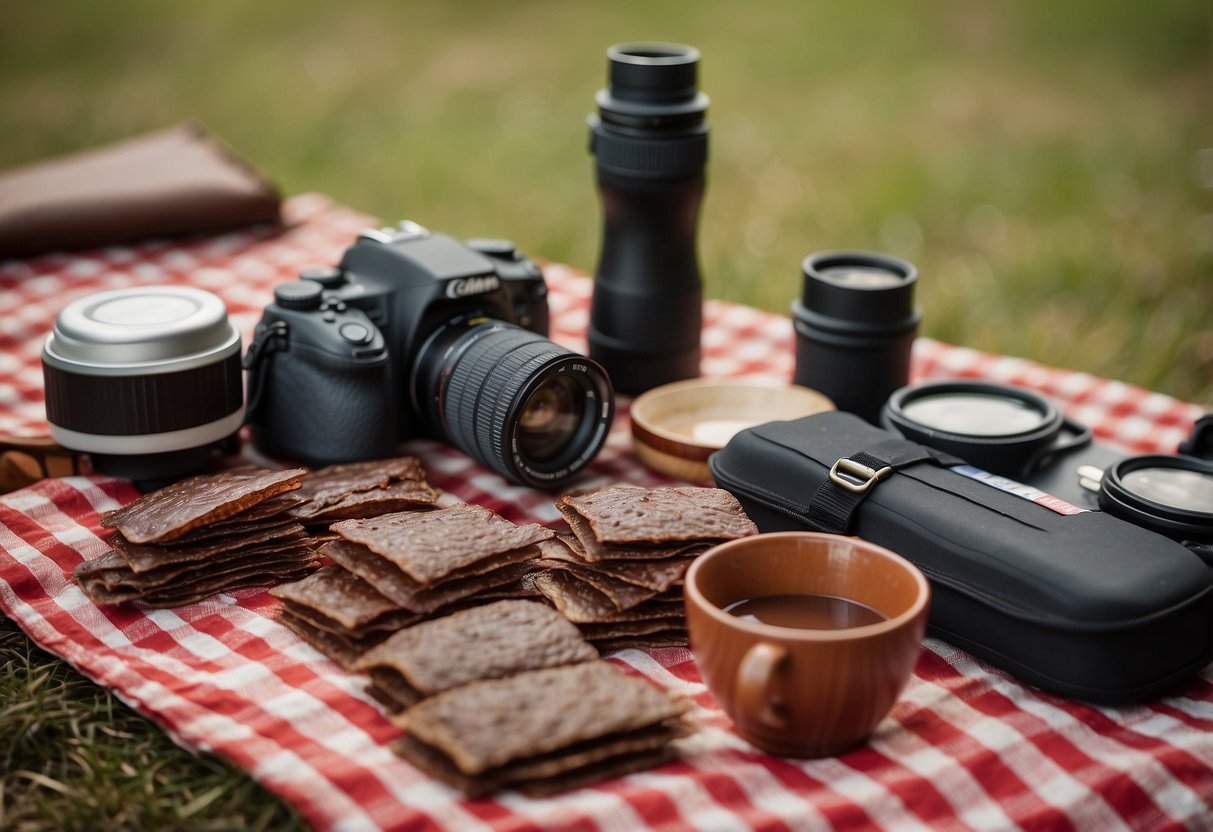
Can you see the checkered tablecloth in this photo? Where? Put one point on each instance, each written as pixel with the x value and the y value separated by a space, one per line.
pixel 965 747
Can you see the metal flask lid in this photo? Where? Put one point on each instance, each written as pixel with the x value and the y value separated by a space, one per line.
pixel 147 329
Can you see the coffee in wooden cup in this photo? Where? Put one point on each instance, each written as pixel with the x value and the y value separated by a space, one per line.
pixel 805 639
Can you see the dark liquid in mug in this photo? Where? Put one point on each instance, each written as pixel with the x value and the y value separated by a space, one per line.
pixel 806 612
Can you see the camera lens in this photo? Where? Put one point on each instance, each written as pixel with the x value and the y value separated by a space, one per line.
pixel 145 380
pixel 855 324
pixel 974 414
pixel 1003 429
pixel 1172 495
pixel 526 407
pixel 649 139
pixel 550 418
pixel 1189 490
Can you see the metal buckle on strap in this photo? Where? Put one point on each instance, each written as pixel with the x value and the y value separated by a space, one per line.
pixel 863 477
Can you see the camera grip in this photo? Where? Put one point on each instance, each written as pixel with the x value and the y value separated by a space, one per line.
pixel 755 675
pixel 320 409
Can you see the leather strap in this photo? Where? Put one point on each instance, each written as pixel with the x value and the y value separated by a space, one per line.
pixel 853 477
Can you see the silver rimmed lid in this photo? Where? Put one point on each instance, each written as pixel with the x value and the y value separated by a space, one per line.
pixel 161 328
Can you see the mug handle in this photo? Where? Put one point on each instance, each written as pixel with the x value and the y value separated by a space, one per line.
pixel 754 676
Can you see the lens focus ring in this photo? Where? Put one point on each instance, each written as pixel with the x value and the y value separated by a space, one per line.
pixel 482 378
pixel 493 422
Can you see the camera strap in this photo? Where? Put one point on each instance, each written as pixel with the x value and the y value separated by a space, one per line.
pixel 266 341
pixel 853 477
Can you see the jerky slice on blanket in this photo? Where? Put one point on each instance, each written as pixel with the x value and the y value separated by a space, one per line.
pixel 621 594
pixel 364 489
pixel 393 583
pixel 485 642
pixel 628 554
pixel 625 514
pixel 339 614
pixel 593 612
pixel 111 571
pixel 181 596
pixel 338 595
pixel 429 546
pixel 589 549
pixel 200 536
pixel 656 574
pixel 197 501
pixel 542 730
pixel 148 557
pixel 405 495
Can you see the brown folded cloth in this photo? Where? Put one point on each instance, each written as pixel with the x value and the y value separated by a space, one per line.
pixel 176 181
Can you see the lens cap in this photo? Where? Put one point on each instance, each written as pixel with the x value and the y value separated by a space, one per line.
pixel 857 292
pixel 1172 495
pixel 1004 429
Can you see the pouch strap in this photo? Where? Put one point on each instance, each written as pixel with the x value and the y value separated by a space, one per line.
pixel 853 477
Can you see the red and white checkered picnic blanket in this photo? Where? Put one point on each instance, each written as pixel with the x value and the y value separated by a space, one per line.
pixel 965 747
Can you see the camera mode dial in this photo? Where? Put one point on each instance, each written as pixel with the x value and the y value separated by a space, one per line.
pixel 329 277
pixel 301 295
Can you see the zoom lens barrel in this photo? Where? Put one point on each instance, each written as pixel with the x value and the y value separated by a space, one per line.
pixel 528 408
pixel 855 324
pixel 650 143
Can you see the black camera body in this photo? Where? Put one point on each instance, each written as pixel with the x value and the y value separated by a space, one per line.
pixel 413 333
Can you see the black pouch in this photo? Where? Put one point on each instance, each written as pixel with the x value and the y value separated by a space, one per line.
pixel 1073 601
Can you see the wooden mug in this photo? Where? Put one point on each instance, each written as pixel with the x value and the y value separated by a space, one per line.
pixel 795 691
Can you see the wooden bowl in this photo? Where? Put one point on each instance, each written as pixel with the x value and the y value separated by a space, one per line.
pixel 676 427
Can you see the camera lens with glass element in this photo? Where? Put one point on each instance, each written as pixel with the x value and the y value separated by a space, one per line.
pixel 997 427
pixel 650 142
pixel 855 324
pixel 145 380
pixel 521 404
pixel 1172 495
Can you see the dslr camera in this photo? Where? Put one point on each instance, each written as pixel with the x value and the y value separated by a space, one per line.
pixel 416 333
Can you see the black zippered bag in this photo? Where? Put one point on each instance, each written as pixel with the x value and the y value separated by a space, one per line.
pixel 1082 604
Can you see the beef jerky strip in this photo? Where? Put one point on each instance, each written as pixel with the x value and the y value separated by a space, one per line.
pixel 385 624
pixel 111 571
pixel 483 725
pixel 405 495
pixel 189 595
pixel 432 544
pixel 582 604
pixel 619 629
pixel 334 483
pixel 270 557
pixel 207 498
pixel 390 689
pixel 568 772
pixel 669 638
pixel 145 557
pixel 389 579
pixel 272 511
pixel 337 594
pixel 659 574
pixel 341 649
pixel 662 515
pixel 484 642
pixel 621 594
pixel 594 551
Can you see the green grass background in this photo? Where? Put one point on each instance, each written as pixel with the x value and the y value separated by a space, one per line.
pixel 1047 165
